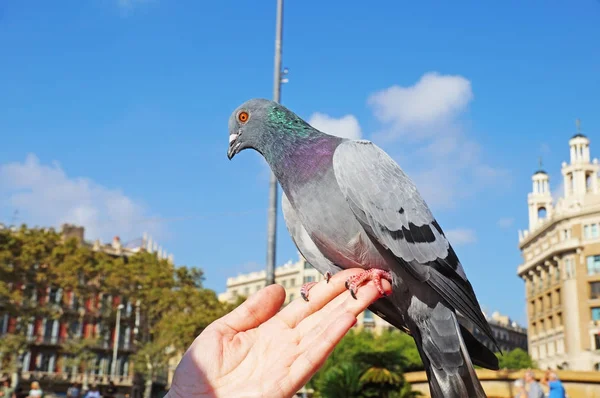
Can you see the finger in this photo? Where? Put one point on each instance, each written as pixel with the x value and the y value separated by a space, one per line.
pixel 312 358
pixel 320 294
pixel 344 304
pixel 257 309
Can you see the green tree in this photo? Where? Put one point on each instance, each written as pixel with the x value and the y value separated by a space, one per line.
pixel 382 372
pixel 171 301
pixel 379 362
pixel 341 381
pixel 81 356
pixel 12 346
pixel 515 360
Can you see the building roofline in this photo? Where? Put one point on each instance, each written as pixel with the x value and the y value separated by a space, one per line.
pixel 553 221
pixel 579 135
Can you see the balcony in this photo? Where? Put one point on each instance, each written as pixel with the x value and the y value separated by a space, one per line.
pixel 69 378
pixel 566 245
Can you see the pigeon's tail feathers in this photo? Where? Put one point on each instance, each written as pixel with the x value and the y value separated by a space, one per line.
pixel 480 354
pixel 444 353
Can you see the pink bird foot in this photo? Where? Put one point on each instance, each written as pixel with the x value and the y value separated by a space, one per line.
pixel 305 288
pixel 372 274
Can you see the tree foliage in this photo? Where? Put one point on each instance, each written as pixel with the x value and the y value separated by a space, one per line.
pixel 367 365
pixel 515 360
pixel 173 304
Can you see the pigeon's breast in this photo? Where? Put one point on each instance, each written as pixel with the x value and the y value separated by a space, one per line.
pixel 331 224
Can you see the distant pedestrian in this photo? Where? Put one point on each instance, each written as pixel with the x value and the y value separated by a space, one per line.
pixel 36 391
pixel 6 391
pixel 74 391
pixel 93 392
pixel 534 390
pixel 111 390
pixel 520 389
pixel 557 390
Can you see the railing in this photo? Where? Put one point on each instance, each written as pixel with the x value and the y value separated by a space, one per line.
pixel 76 378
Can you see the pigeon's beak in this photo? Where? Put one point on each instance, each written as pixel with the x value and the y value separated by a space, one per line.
pixel 233 146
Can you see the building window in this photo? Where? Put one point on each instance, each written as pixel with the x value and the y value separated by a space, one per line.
pixel 569 269
pixel 597 341
pixel 284 283
pixel 590 231
pixel 595 313
pixel 566 234
pixel 594 290
pixel 291 297
pixel 368 316
pixel 309 279
pixel 593 265
pixel 292 282
pixel 246 291
pixel 307 265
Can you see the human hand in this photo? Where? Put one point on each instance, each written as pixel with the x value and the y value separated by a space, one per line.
pixel 259 351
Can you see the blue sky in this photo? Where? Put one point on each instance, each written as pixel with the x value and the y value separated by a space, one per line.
pixel 113 113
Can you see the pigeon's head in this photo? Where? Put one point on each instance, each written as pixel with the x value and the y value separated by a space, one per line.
pixel 247 125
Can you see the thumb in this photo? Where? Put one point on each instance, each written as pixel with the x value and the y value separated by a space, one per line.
pixel 256 310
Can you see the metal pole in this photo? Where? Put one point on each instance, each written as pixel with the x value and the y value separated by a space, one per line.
pixel 113 370
pixel 272 222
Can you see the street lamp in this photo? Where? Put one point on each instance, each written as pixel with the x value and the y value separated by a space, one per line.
pixel 113 370
pixel 277 81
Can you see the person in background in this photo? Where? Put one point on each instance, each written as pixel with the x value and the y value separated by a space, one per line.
pixel 7 391
pixel 520 389
pixel 74 391
pixel 36 391
pixel 557 390
pixel 534 390
pixel 93 392
pixel 111 390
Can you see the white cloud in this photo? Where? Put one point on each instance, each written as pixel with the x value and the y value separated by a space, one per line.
pixel 445 161
pixel 416 111
pixel 506 222
pixel 44 195
pixel 347 126
pixel 461 236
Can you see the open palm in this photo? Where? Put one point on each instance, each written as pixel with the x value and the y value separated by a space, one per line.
pixel 256 351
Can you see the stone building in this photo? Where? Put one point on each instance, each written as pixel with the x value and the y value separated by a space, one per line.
pixel 561 264
pixel 508 334
pixel 44 358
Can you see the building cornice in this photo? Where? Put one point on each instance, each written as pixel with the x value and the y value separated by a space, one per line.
pixel 564 246
pixel 533 235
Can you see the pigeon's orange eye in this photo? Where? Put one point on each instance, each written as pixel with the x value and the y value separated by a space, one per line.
pixel 243 117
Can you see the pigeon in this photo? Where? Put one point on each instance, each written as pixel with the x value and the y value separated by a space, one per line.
pixel 480 354
pixel 348 204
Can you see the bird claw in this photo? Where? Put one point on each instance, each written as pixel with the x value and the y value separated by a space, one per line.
pixel 372 274
pixel 305 288
pixel 327 276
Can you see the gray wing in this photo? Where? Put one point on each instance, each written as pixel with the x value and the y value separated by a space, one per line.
pixel 387 204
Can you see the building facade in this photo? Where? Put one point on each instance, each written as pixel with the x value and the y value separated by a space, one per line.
pixel 561 264
pixel 292 275
pixel 45 359
pixel 508 334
